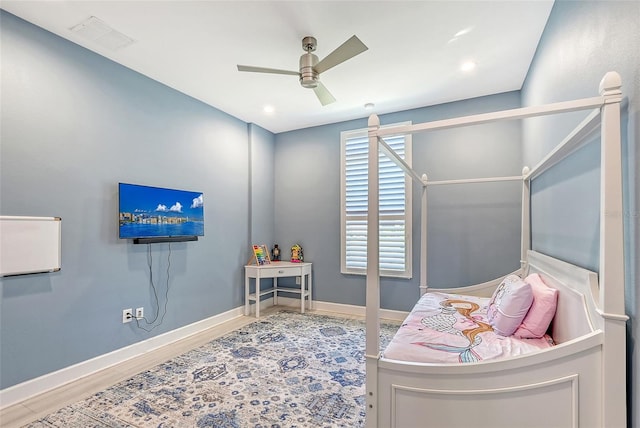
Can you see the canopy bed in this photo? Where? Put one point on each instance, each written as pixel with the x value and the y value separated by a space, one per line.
pixel 574 375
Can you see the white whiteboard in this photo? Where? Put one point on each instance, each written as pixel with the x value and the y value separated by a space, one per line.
pixel 29 245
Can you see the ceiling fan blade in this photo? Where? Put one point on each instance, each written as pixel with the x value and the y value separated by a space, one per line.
pixel 345 51
pixel 266 70
pixel 323 94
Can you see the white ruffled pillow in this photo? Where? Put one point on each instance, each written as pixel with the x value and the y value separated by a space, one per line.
pixel 509 305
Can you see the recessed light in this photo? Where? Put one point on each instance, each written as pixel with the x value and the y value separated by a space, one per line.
pixel 268 109
pixel 369 106
pixel 468 66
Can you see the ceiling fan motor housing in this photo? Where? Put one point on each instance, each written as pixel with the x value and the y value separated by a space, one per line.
pixel 308 75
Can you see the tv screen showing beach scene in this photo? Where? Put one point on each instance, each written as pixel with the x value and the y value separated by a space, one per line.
pixel 155 212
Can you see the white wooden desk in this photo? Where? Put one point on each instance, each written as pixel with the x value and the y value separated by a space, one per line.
pixel 276 270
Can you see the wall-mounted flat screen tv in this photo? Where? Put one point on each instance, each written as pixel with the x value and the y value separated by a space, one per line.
pixel 155 214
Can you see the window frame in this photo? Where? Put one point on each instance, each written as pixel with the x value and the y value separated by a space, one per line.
pixel 407 273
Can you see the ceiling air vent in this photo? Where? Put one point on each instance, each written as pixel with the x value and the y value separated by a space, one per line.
pixel 98 31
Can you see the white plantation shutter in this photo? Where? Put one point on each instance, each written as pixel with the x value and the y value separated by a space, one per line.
pixel 395 206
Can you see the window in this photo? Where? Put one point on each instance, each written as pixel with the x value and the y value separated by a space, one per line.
pixel 395 206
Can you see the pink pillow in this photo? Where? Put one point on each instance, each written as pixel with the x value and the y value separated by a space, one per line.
pixel 509 305
pixel 543 308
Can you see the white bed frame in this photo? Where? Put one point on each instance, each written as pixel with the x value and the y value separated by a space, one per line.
pixel 581 382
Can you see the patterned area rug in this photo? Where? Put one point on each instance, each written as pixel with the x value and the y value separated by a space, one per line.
pixel 285 370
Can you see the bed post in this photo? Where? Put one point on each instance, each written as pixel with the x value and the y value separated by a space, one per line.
pixel 612 254
pixel 423 238
pixel 525 238
pixel 372 349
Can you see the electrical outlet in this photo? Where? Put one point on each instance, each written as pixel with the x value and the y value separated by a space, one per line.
pixel 297 280
pixel 127 315
pixel 139 313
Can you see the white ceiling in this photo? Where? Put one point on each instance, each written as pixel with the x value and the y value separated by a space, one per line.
pixel 413 58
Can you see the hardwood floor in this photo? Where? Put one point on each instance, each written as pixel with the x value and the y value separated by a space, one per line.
pixel 39 406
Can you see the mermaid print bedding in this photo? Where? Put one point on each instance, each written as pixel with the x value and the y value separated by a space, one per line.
pixel 451 328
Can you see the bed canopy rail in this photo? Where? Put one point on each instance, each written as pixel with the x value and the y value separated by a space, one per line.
pixel 475 180
pixel 512 114
pixel 573 141
pixel 393 156
pixel 606 115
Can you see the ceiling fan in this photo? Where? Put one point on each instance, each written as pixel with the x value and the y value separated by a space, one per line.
pixel 310 67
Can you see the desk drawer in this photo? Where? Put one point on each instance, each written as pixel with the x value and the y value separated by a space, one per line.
pixel 286 272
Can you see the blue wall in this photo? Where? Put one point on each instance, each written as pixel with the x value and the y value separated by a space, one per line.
pixel 74 124
pixel 463 221
pixel 582 41
pixel 261 146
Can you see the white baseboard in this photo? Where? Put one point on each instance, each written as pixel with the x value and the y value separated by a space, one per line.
pixel 31 388
pixel 387 314
pixel 39 385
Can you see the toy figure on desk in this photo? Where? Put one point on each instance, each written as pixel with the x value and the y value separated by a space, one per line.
pixel 276 253
pixel 296 254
